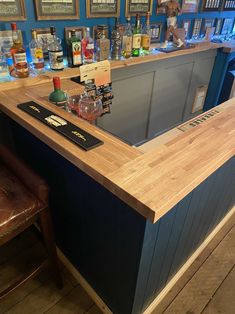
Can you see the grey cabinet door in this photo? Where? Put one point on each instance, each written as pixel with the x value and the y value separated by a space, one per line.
pixel 129 111
pixel 170 91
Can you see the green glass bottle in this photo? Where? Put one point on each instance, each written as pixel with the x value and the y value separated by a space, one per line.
pixel 58 97
pixel 136 39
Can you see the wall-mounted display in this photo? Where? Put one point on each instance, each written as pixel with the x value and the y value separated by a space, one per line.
pixel 227 26
pixel 190 6
pixel 211 5
pixel 138 6
pixel 218 26
pixel 197 28
pixel 186 25
pixel 207 23
pixel 156 29
pixel 102 8
pixel 229 5
pixel 57 9
pixel 12 10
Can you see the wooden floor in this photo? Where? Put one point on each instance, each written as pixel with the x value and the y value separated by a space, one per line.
pixel 207 287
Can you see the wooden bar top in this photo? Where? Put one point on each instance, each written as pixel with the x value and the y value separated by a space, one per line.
pixel 150 181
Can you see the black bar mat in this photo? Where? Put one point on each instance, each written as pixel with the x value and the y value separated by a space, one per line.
pixel 60 125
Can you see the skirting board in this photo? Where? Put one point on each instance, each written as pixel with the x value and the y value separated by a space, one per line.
pixel 100 303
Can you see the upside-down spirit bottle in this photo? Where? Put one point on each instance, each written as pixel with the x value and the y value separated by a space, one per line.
pixel 127 39
pixel 18 54
pixel 74 50
pixel 36 52
pixel 87 48
pixel 58 97
pixel 136 42
pixel 146 35
pixel 55 52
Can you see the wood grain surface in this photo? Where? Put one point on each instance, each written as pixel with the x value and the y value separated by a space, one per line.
pixel 151 182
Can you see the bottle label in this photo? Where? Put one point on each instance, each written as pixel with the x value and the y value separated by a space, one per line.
pixel 37 55
pixel 146 41
pixel 127 43
pixel 90 46
pixel 76 51
pixel 136 41
pixel 56 60
pixel 20 58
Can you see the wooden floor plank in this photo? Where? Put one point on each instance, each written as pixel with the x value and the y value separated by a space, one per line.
pixel 224 299
pixel 94 310
pixel 195 295
pixel 77 301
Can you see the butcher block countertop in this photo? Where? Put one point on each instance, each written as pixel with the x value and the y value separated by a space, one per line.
pixel 152 178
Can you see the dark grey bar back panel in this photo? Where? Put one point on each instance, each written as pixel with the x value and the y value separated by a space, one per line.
pixel 171 241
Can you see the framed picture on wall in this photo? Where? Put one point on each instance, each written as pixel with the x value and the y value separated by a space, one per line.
pixel 218 26
pixel 186 24
pixel 138 6
pixel 12 10
pixel 227 26
pixel 197 28
pixel 156 30
pixel 190 6
pixel 211 5
pixel 208 23
pixel 229 5
pixel 57 9
pixel 79 31
pixel 102 8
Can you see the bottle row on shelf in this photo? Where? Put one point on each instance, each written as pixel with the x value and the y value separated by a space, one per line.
pixel 124 43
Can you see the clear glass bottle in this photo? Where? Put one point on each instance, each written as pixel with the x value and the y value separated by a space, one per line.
pixel 136 42
pixel 127 39
pixel 116 46
pixel 74 50
pixel 146 36
pixel 55 52
pixel 87 48
pixel 18 53
pixel 36 52
pixel 102 45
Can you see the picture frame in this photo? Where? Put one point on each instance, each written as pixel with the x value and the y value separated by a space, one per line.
pixel 6 40
pixel 156 31
pixel 218 26
pixel 186 24
pixel 227 26
pixel 43 35
pixel 208 22
pixel 228 5
pixel 79 31
pixel 200 97
pixel 190 6
pixel 211 5
pixel 197 28
pixel 56 10
pixel 13 10
pixel 142 7
pixel 102 8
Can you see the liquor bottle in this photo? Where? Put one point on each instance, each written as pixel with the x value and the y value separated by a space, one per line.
pixel 36 52
pixel 74 50
pixel 136 42
pixel 87 48
pixel 146 35
pixel 18 54
pixel 116 46
pixel 102 45
pixel 55 52
pixel 127 39
pixel 58 97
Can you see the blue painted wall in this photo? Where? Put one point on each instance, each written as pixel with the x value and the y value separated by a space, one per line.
pixel 83 21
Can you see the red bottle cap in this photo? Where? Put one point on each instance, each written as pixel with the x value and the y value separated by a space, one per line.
pixel 56 82
pixel 13 26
